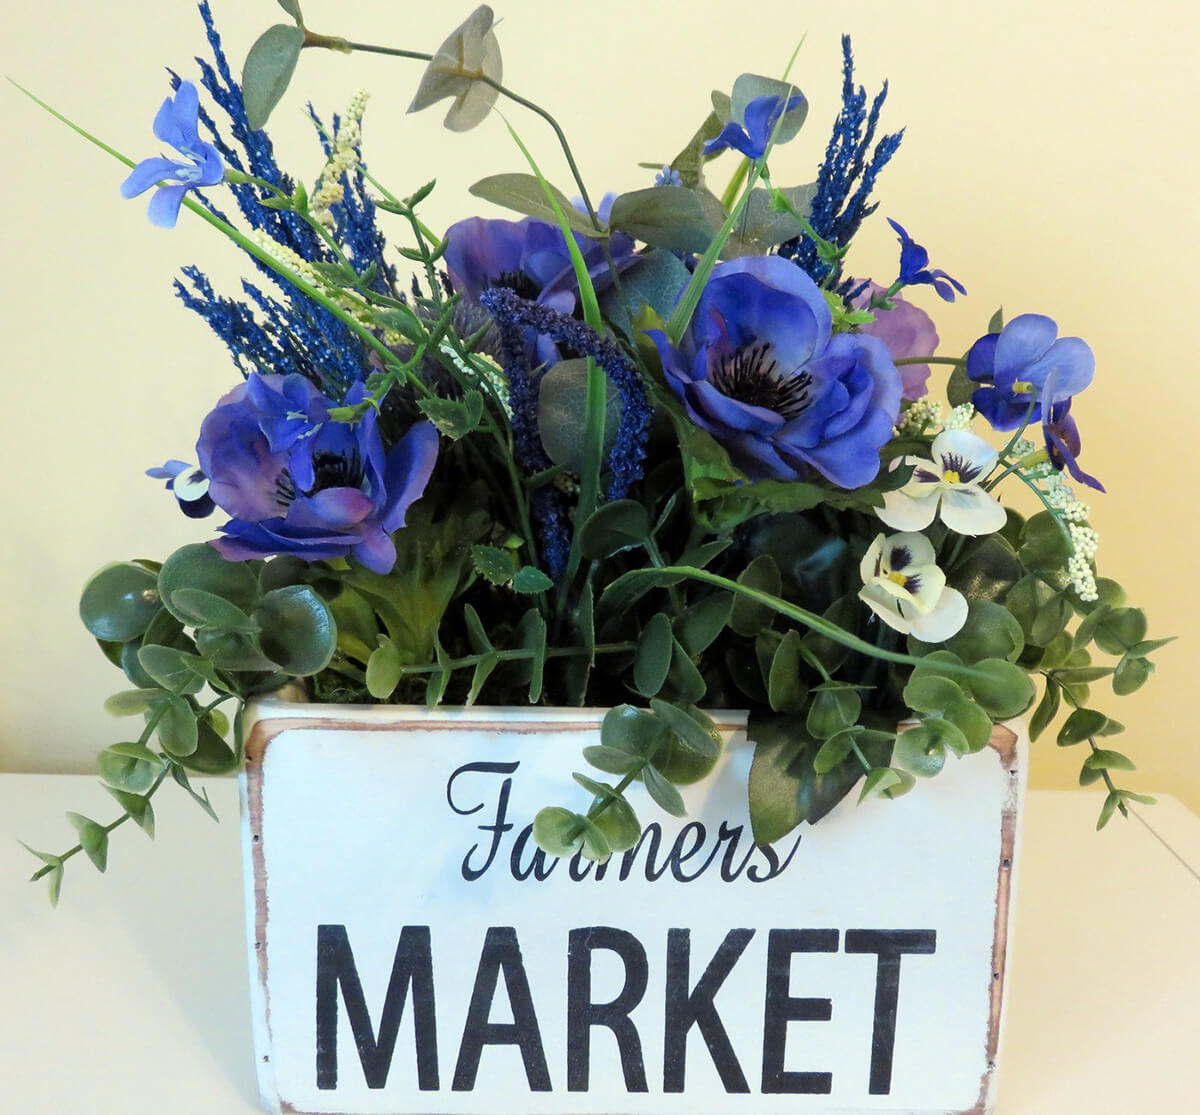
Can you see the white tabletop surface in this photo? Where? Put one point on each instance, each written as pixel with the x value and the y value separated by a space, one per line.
pixel 132 996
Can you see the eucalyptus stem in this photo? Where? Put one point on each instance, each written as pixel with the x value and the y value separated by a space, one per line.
pixel 930 360
pixel 517 654
pixel 1108 782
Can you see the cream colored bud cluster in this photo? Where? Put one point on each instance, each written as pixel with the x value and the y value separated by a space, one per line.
pixel 301 267
pixel 921 416
pixel 960 417
pixel 484 367
pixel 1085 540
pixel 343 157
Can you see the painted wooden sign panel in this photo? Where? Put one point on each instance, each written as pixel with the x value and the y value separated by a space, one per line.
pixel 413 951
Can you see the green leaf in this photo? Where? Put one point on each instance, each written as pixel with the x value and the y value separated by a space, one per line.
pixel 1026 599
pixel 268 70
pixel 384 669
pixel 987 569
pixel 199 797
pixel 764 226
pixel 833 752
pixel 483 670
pixel 226 650
pixel 652 660
pixel 636 731
pixel 617 820
pixel 132 702
pixel 694 745
pixel 92 838
pixel 1130 675
pixel 684 683
pixel 885 782
pixel 990 631
pixel 703 622
pixel 610 759
pixel 748 87
pixel 1120 629
pixel 531 635
pixel 1085 723
pixel 129 766
pixel 1004 690
pixel 177 730
pixel 664 795
pixel 1111 803
pixel 749 617
pixel 786 691
pixel 495 565
pixel 1044 547
pixel 558 831
pixel 199 566
pixel 55 880
pixel 653 281
pixel 971 720
pixel 676 220
pixel 595 844
pixel 834 708
pixel 1148 646
pixel 922 750
pixel 1051 621
pixel 931 693
pixel 523 193
pixel 298 630
pixel 212 755
pixel 614 527
pixel 530 581
pixel 454 418
pixel 119 602
pixel 200 608
pixel 138 807
pixel 1108 760
pixel 1047 709
pixel 171 668
pixel 292 7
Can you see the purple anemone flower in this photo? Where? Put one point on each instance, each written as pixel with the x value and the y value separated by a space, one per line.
pixel 760 370
pixel 1063 444
pixel 907 330
pixel 1025 359
pixel 176 124
pixel 189 484
pixel 753 134
pixel 914 267
pixel 304 485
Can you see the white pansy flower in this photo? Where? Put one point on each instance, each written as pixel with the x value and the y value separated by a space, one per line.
pixel 961 462
pixel 904 587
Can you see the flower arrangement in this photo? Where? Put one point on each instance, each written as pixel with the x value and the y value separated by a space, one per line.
pixel 657 454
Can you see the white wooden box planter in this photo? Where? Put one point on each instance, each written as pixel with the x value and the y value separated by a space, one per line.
pixel 412 951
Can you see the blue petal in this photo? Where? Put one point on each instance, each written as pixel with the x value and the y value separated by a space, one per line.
pixel 149 172
pixel 981 359
pixel 176 120
pixel 164 206
pixel 1023 341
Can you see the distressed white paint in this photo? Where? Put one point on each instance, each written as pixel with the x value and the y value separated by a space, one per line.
pixel 356 830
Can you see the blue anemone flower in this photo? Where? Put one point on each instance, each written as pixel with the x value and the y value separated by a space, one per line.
pixel 760 118
pixel 176 124
pixel 760 369
pixel 914 267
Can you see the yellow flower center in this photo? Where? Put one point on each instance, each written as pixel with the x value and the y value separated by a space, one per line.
pixel 898 579
pixel 1022 387
pixel 951 476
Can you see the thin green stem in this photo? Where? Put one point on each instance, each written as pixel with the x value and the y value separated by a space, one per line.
pixel 517 654
pixel 929 360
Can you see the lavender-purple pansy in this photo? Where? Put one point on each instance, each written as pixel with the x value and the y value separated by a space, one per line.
pixel 296 483
pixel 176 124
pixel 908 331
pixel 760 370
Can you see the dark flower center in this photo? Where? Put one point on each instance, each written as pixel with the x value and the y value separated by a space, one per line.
pixel 749 376
pixel 519 283
pixel 336 470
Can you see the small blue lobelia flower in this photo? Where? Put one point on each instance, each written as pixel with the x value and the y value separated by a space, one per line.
pixel 668 176
pixel 914 267
pixel 752 136
pixel 760 370
pixel 305 486
pixel 1026 364
pixel 176 124
pixel 189 484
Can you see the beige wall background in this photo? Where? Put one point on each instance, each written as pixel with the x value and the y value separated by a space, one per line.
pixel 1050 163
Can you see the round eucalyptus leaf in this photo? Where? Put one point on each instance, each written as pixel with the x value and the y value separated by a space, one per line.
pixel 931 693
pixel 615 526
pixel 693 747
pixel 974 724
pixel 558 831
pixel 1004 690
pixel 833 752
pixel 206 609
pixel 132 665
pixel 833 709
pixel 298 630
pixel 1120 629
pixel 199 566
pixel 1130 675
pixel 212 755
pixel 652 660
pixel 129 766
pixel 119 602
pixel 748 616
pixel 920 750
pixel 562 411
pixel 171 669
pixel 620 825
pixel 990 631
pixel 609 759
pixel 635 731
pixel 177 730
